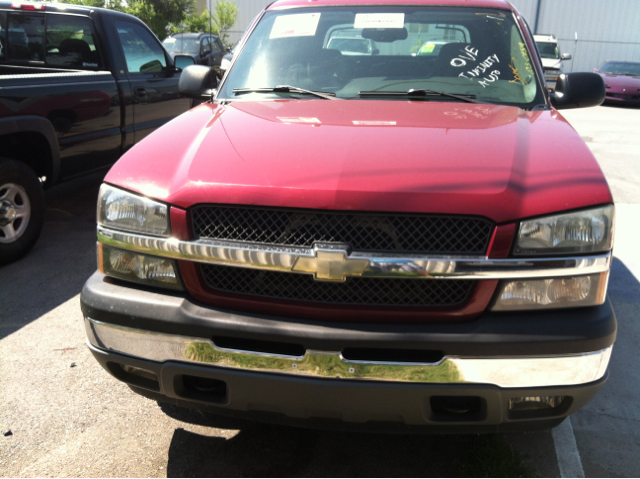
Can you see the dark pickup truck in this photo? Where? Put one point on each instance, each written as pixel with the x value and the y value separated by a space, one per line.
pixel 78 87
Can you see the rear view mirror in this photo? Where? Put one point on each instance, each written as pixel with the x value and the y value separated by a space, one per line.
pixel 183 61
pixel 566 56
pixel 385 35
pixel 578 90
pixel 197 81
pixel 154 66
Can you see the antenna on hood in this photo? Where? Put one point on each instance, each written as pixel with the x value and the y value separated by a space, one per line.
pixel 215 74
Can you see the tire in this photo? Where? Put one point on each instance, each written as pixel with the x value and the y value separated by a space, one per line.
pixel 21 210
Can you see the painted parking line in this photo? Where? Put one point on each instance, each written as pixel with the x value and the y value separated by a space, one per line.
pixel 569 461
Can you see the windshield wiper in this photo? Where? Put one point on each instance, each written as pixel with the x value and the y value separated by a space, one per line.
pixel 287 89
pixel 421 92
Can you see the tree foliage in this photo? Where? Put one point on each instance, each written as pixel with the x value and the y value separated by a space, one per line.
pixel 171 16
pixel 224 18
pixel 157 14
pixel 196 23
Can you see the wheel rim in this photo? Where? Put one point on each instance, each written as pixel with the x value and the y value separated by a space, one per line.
pixel 15 212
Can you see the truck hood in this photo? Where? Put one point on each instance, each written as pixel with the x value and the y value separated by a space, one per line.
pixel 499 162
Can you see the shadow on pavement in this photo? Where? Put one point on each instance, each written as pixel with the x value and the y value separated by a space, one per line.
pixel 251 449
pixel 260 450
pixel 606 430
pixel 61 261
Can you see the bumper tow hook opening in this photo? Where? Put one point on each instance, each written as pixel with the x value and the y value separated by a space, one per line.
pixel 202 389
pixel 457 408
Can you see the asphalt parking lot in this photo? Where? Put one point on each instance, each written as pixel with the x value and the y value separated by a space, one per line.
pixel 68 417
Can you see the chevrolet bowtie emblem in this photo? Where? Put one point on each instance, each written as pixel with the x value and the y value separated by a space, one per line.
pixel 330 265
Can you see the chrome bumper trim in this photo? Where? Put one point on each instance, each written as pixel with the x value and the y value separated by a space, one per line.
pixel 309 261
pixel 506 372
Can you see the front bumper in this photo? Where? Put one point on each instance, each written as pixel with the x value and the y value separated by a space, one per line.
pixel 494 358
pixel 624 98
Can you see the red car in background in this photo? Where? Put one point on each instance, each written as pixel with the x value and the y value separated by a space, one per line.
pixel 622 81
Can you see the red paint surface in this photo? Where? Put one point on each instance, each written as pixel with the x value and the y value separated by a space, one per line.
pixel 195 284
pixel 423 157
pixel 180 227
pixel 503 237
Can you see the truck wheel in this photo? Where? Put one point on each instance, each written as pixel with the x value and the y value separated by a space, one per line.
pixel 21 210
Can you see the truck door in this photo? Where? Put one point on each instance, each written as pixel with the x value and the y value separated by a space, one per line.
pixel 217 51
pixel 156 99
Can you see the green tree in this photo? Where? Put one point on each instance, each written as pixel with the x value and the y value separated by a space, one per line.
pixel 195 23
pixel 157 14
pixel 224 18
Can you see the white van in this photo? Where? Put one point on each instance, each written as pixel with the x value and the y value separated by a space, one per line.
pixel 551 58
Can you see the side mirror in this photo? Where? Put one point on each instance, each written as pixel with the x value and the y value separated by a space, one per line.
pixel 578 90
pixel 196 81
pixel 183 61
pixel 565 56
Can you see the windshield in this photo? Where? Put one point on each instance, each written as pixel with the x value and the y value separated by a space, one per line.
pixel 463 51
pixel 181 45
pixel 548 50
pixel 621 68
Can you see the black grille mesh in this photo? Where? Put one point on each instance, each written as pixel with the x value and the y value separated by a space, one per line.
pixel 354 291
pixel 363 231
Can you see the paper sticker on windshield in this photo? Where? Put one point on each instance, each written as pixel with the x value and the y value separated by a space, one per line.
pixel 428 48
pixel 379 20
pixel 300 25
pixel 170 40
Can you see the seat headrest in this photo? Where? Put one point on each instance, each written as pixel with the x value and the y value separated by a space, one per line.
pixel 74 45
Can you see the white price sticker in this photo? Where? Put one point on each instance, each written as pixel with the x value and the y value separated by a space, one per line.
pixel 300 120
pixel 379 20
pixel 374 123
pixel 300 25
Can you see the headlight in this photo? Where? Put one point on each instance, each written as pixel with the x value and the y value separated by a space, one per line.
pixel 588 231
pixel 563 292
pixel 139 268
pixel 122 210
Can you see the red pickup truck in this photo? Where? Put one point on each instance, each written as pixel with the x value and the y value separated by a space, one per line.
pixel 407 236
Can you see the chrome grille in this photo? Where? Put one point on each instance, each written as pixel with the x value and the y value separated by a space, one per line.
pixel 362 231
pixel 354 291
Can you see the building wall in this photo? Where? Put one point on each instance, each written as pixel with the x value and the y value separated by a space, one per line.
pixel 200 6
pixel 606 30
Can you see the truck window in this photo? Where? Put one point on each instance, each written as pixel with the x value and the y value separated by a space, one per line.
pixel 142 52
pixel 3 34
pixel 25 34
pixel 206 46
pixel 70 42
pixel 219 45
